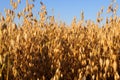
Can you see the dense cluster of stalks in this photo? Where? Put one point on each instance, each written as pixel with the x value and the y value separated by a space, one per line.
pixel 47 50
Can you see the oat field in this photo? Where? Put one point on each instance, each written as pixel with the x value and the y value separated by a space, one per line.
pixel 44 49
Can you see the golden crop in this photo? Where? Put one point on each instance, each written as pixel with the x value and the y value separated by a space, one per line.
pixel 45 49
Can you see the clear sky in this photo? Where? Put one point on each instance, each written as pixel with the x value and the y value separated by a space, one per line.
pixel 65 10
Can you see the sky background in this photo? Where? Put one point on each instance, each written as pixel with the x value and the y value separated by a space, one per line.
pixel 65 10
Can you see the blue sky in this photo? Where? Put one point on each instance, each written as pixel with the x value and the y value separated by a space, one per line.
pixel 65 10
